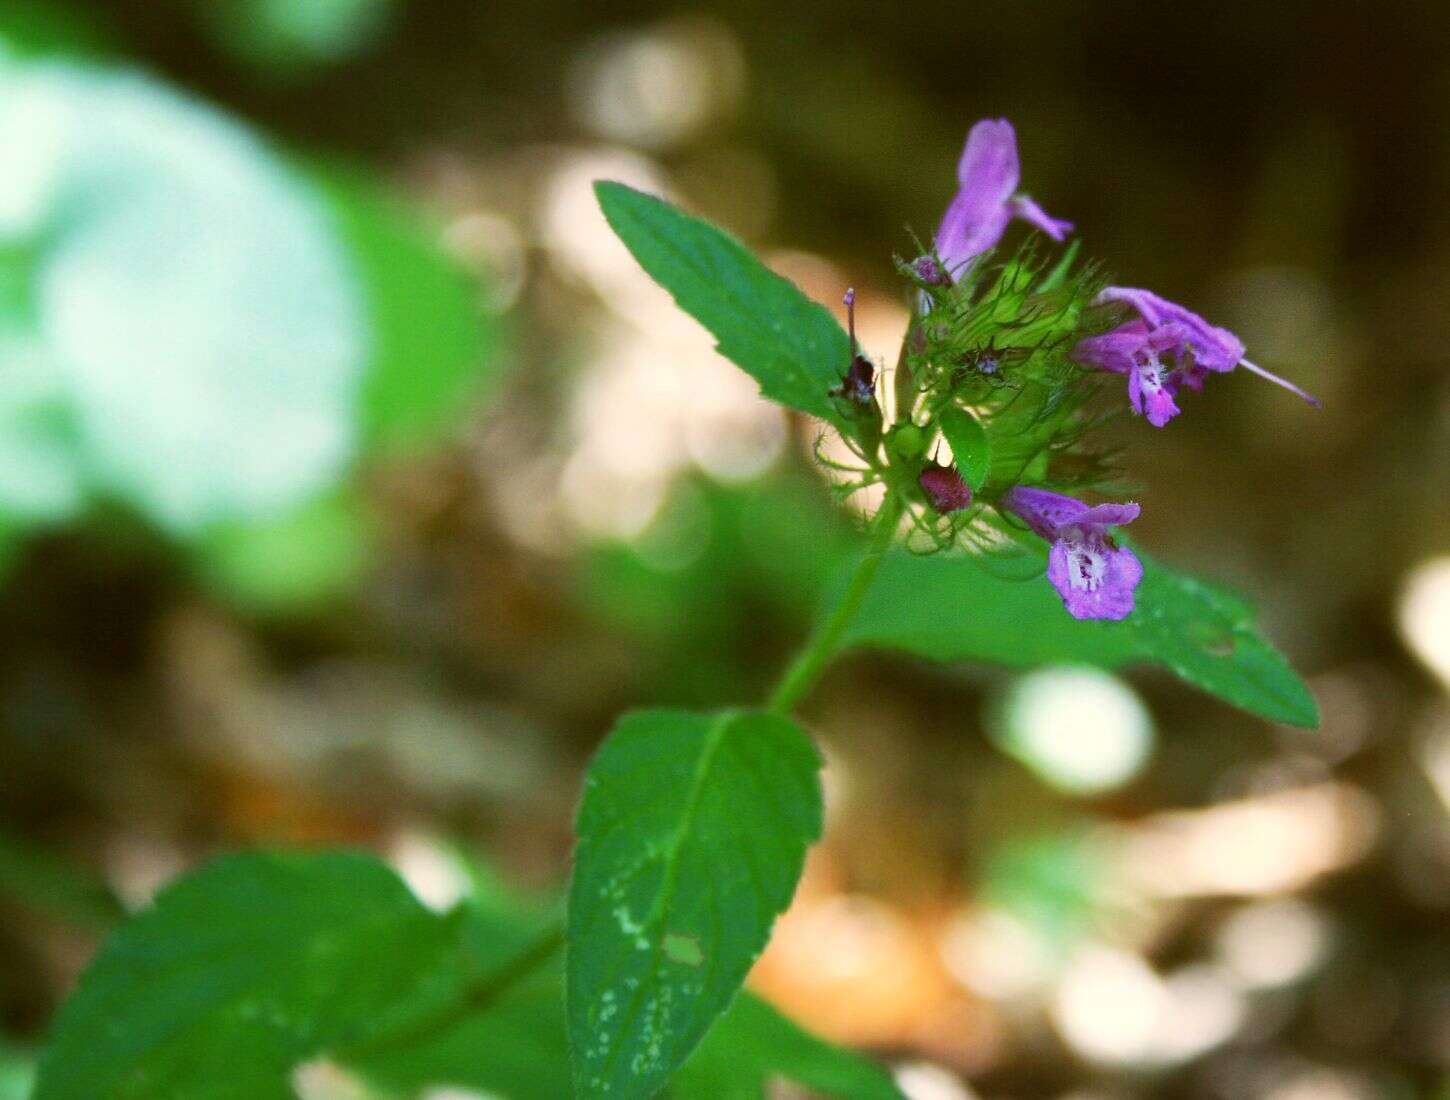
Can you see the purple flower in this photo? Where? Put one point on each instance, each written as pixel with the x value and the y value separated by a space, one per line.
pixel 1134 349
pixel 1165 328
pixel 945 489
pixel 986 201
pixel 1094 576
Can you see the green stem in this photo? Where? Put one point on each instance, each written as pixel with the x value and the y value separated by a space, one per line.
pixel 797 682
pixel 825 642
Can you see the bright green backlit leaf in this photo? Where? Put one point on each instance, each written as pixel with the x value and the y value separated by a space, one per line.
pixel 1052 882
pixel 432 341
pixel 292 563
pixel 971 449
pixel 244 969
pixel 692 833
pixel 17 1072
pixel 41 473
pixel 949 608
pixel 761 322
pixel 187 292
pixel 752 1044
pixel 288 35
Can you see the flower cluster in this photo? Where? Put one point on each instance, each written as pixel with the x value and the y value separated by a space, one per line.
pixel 1002 365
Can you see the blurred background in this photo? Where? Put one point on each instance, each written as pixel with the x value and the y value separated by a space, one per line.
pixel 353 478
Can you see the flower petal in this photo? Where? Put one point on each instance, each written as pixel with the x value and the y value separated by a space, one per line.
pixel 1029 211
pixel 1151 394
pixel 1043 510
pixel 988 174
pixel 1115 351
pixel 989 164
pixel 1214 348
pixel 969 228
pixel 1095 579
pixel 1109 515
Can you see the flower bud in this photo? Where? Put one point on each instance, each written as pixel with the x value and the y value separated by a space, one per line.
pixel 945 489
pixel 907 441
pixel 929 272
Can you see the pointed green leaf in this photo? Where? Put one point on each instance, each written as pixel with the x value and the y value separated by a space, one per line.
pixel 692 833
pixel 244 969
pixel 971 449
pixel 753 1044
pixel 949 608
pixel 762 323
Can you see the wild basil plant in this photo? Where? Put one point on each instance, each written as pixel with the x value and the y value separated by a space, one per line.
pixel 997 535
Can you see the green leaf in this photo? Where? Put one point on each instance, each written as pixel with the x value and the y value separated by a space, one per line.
pixel 753 1044
pixel 512 1043
pixel 42 879
pixel 46 28
pixel 432 341
pixel 949 608
pixel 762 323
pixel 286 37
pixel 971 449
pixel 692 833
pixel 17 1072
pixel 189 302
pixel 506 1036
pixel 293 563
pixel 41 463
pixel 244 969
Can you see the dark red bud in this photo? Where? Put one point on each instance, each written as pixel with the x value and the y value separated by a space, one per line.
pixel 944 488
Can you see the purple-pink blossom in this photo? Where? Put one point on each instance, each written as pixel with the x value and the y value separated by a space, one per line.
pixel 1138 348
pixel 1095 576
pixel 986 200
pixel 1135 350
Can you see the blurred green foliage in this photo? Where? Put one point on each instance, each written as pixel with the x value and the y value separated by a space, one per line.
pixel 193 328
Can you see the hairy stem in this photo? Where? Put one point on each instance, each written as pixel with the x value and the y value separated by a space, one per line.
pixel 825 642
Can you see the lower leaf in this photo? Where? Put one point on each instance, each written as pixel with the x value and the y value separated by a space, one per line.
pixel 692 835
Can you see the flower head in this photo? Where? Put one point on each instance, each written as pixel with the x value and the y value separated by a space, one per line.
pixel 986 202
pixel 1164 328
pixel 945 488
pixel 1095 577
pixel 1135 349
